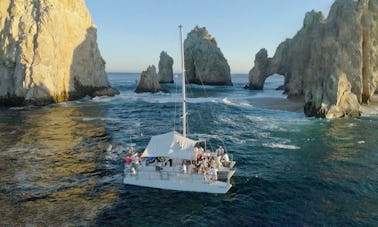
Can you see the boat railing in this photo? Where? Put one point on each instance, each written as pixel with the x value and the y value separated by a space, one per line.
pixel 170 175
pixel 231 156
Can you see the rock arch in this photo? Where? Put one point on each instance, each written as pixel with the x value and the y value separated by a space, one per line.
pixel 263 69
pixel 331 61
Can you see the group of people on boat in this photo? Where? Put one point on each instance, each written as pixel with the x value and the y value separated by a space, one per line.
pixel 133 160
pixel 206 163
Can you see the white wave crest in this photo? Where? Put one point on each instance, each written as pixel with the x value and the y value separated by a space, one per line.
pixel 107 119
pixel 17 108
pixel 281 146
pixel 226 101
pixel 235 103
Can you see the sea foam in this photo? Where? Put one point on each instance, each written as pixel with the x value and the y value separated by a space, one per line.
pixel 281 146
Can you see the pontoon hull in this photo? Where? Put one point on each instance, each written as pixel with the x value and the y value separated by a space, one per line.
pixel 218 187
pixel 178 182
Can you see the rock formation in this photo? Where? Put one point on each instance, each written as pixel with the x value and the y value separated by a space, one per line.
pixel 204 61
pixel 48 52
pixel 149 81
pixel 332 62
pixel 165 68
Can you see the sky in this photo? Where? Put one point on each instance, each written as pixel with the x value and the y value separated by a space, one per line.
pixel 132 33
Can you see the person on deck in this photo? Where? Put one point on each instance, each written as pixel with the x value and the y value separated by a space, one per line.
pixel 225 160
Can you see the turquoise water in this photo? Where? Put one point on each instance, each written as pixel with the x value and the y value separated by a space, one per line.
pixel 291 170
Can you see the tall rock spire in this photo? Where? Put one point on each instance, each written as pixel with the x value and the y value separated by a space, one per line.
pixel 204 61
pixel 48 52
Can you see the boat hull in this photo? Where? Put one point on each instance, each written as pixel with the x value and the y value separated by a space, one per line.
pixel 178 182
pixel 218 187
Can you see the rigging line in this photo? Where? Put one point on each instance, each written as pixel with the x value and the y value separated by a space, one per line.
pixel 175 101
pixel 200 115
pixel 191 94
pixel 207 95
pixel 175 80
pixel 187 122
pixel 212 113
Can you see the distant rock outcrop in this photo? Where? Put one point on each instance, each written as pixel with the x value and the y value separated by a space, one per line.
pixel 204 61
pixel 165 68
pixel 332 62
pixel 149 81
pixel 48 53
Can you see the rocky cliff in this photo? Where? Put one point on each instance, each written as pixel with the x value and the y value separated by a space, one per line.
pixel 204 61
pixel 165 68
pixel 48 52
pixel 332 62
pixel 149 81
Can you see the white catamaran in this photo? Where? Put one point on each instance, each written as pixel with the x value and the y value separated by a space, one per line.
pixel 175 162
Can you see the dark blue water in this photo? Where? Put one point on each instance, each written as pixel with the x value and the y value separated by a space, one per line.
pixel 291 170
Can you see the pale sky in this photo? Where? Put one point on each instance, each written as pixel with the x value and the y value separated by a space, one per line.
pixel 132 33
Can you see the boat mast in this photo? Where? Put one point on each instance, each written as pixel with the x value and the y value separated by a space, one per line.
pixel 183 82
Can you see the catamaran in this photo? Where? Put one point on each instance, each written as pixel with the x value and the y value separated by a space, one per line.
pixel 175 162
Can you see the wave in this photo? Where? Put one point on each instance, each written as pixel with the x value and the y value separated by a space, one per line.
pixel 369 111
pixel 229 121
pixel 104 98
pixel 159 97
pixel 108 119
pixel 281 146
pixel 17 108
pixel 236 100
pixel 244 104
pixel 236 103
pixel 205 136
pixel 226 101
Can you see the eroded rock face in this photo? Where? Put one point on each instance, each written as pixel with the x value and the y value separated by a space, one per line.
pixel 204 61
pixel 149 81
pixel 260 71
pixel 48 52
pixel 165 68
pixel 332 62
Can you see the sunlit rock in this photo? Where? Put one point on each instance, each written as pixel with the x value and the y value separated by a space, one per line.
pixel 331 62
pixel 165 68
pixel 48 52
pixel 149 81
pixel 204 61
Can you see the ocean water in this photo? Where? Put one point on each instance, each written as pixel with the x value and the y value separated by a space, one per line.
pixel 291 170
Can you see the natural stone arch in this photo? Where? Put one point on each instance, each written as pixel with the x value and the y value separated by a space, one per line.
pixel 331 62
pixel 258 73
pixel 264 69
pixel 273 79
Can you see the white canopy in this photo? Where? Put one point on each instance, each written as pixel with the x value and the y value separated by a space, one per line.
pixel 171 145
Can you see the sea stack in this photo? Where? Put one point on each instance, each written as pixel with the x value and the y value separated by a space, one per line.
pixel 49 53
pixel 204 61
pixel 165 68
pixel 332 62
pixel 149 81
